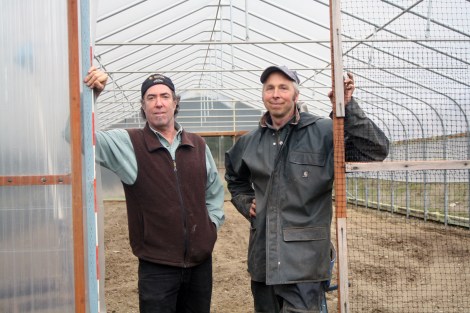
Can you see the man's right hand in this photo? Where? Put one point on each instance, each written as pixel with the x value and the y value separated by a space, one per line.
pixel 96 80
pixel 253 208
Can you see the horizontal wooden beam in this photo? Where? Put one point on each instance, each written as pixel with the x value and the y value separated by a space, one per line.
pixel 64 179
pixel 408 166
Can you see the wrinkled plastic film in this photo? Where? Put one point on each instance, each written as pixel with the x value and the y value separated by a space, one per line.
pixel 36 251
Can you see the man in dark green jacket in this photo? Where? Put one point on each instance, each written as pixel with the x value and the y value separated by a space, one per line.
pixel 281 177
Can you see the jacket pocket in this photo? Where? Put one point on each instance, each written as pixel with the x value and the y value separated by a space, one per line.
pixel 305 233
pixel 307 158
pixel 304 255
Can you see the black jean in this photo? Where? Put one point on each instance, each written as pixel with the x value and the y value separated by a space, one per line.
pixel 169 289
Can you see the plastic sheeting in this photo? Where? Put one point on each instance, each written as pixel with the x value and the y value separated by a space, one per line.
pixel 36 248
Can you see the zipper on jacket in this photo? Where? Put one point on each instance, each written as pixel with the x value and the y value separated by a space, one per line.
pixel 183 212
pixel 281 148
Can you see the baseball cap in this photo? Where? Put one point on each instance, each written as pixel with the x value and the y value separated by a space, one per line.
pixel 156 79
pixel 292 75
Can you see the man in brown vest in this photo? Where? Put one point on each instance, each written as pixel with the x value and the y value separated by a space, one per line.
pixel 174 199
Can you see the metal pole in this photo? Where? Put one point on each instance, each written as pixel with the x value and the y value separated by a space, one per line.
pixel 89 163
pixel 247 36
pixel 231 33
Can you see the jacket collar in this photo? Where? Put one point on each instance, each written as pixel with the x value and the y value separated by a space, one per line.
pixel 153 142
pixel 308 119
pixel 266 120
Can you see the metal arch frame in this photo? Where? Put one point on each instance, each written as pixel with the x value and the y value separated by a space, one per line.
pixel 415 41
pixel 121 28
pixel 250 93
pixel 137 21
pixel 325 4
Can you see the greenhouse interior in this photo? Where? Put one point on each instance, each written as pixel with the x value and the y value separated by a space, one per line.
pixel 410 61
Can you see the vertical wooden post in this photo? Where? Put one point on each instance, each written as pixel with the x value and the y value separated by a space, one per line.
pixel 339 154
pixel 75 143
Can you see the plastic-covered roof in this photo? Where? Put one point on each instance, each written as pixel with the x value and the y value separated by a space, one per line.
pixel 410 59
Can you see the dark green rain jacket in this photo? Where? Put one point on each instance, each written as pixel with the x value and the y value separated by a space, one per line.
pixel 290 173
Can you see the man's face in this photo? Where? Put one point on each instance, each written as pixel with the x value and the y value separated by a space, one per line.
pixel 159 107
pixel 279 96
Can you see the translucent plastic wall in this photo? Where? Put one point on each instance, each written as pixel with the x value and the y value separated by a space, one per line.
pixel 36 251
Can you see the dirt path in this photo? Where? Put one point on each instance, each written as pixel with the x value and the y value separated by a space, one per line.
pixel 396 265
pixel 231 281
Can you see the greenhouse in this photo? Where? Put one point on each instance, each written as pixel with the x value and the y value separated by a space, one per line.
pixel 400 227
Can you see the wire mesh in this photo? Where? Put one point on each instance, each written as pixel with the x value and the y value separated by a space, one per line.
pixel 408 230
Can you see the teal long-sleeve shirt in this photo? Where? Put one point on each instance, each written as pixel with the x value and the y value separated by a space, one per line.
pixel 114 151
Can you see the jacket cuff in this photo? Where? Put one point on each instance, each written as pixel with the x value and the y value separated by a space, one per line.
pixel 243 203
pixel 354 111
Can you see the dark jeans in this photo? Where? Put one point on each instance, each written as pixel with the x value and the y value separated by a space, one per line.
pixel 169 289
pixel 301 297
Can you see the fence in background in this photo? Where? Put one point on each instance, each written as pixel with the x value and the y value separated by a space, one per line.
pixel 409 217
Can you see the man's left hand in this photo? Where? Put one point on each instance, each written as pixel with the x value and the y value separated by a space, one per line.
pixel 348 89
